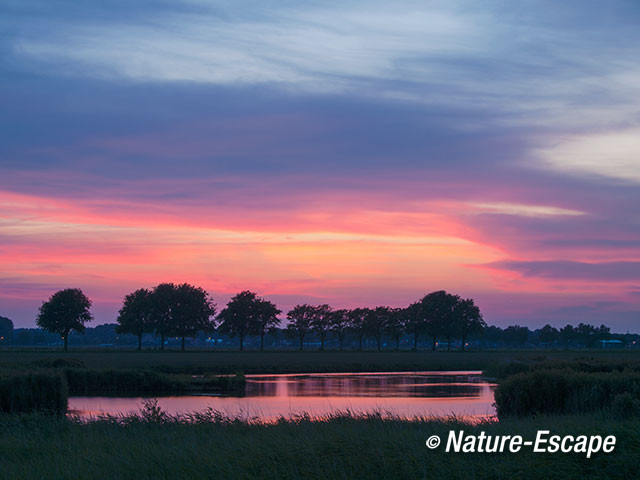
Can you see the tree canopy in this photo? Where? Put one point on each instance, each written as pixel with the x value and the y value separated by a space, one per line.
pixel 65 311
pixel 6 330
pixel 239 317
pixel 136 314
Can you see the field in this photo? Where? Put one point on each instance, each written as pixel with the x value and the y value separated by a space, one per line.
pixel 307 362
pixel 38 447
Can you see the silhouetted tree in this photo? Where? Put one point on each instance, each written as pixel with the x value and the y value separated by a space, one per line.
pixel 375 322
pixel 321 322
pixel 357 323
pixel 395 324
pixel 65 311
pixel 163 301
pixel 300 321
pixel 339 324
pixel 468 320
pixel 437 310
pixel 6 330
pixel 192 311
pixel 566 335
pixel 515 335
pixel 136 314
pixel 265 317
pixel 548 334
pixel 240 317
pixel 493 334
pixel 414 321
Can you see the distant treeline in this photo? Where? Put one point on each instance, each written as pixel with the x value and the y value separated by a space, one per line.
pixel 174 315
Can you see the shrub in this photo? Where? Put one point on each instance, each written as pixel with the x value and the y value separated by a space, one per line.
pixel 24 392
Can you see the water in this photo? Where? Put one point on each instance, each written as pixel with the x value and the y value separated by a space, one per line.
pixel 268 397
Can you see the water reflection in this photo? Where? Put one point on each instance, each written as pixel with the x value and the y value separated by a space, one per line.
pixel 447 384
pixel 268 397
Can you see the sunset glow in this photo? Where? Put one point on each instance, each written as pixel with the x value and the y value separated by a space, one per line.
pixel 342 160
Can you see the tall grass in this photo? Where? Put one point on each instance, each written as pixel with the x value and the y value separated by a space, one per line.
pixel 22 392
pixel 340 447
pixel 563 391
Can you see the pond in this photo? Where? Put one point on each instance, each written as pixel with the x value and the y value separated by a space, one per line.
pixel 268 397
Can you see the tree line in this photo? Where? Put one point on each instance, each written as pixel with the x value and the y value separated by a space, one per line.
pixel 183 310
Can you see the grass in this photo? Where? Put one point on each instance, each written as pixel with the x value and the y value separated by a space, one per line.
pixel 226 362
pixel 339 447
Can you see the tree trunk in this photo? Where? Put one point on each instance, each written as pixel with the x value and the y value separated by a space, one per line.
pixel 66 342
pixel 301 341
pixel 435 341
pixel 162 341
pixel 340 341
pixel 262 341
pixel 321 341
pixel 360 338
pixel 415 341
pixel 241 342
pixel 183 344
pixel 448 344
pixel 378 340
pixel 464 341
pixel 139 341
pixel 397 343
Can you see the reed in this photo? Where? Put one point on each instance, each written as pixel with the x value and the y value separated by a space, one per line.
pixel 341 446
pixel 567 391
pixel 39 391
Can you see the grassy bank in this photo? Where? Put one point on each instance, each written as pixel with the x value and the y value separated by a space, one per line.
pixel 37 447
pixel 43 385
pixel 305 362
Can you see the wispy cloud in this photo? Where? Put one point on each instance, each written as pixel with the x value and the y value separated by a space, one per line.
pixel 524 210
pixel 613 154
pixel 446 53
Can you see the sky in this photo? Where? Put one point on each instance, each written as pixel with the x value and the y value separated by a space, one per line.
pixel 350 153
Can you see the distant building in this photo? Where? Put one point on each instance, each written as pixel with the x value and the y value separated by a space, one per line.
pixel 611 343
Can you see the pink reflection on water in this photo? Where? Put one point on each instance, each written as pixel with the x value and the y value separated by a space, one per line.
pixel 269 397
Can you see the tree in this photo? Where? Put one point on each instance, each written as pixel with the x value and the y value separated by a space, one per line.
pixel 301 319
pixel 468 319
pixel 136 314
pixel 191 312
pixel 375 322
pixel 266 317
pixel 548 334
pixel 239 317
pixel 437 310
pixel 66 311
pixel 321 322
pixel 493 335
pixel 515 335
pixel 163 302
pixel 414 321
pixel 339 324
pixel 357 323
pixel 396 324
pixel 6 330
